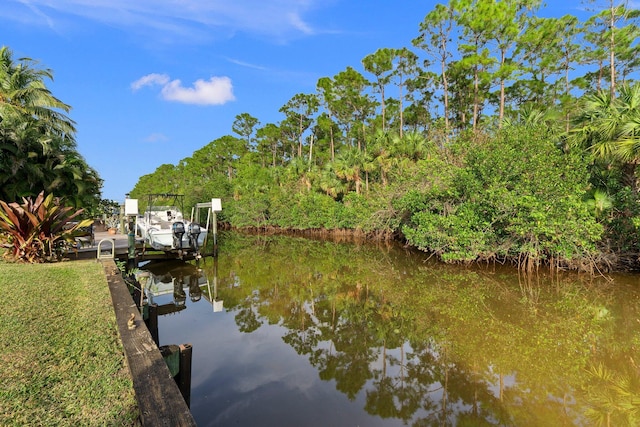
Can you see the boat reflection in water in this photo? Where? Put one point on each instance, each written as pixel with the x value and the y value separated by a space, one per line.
pixel 180 279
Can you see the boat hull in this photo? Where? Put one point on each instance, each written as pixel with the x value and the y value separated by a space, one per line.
pixel 163 240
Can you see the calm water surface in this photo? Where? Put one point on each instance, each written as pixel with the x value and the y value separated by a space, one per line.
pixel 296 332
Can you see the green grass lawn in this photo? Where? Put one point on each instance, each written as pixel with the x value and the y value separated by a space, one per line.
pixel 62 360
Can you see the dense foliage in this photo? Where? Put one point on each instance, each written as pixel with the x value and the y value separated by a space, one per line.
pixel 497 206
pixel 500 134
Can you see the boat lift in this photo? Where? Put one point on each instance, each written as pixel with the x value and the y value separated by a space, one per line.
pixel 215 205
pixel 212 220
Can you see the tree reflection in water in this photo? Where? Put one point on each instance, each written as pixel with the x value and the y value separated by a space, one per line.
pixel 421 343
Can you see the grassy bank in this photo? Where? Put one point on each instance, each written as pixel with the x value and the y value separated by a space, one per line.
pixel 62 361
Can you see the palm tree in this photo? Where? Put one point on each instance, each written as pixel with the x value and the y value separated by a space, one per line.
pixel 414 145
pixel 24 95
pixel 348 166
pixel 629 143
pixel 378 155
pixel 599 202
pixel 21 166
pixel 298 170
pixel 329 183
pixel 609 127
pixel 532 116
pixel 37 142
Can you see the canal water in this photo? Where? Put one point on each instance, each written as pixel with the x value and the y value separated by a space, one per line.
pixel 296 332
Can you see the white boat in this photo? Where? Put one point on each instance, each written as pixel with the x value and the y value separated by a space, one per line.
pixel 164 227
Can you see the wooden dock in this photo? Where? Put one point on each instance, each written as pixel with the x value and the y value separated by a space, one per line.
pixel 119 243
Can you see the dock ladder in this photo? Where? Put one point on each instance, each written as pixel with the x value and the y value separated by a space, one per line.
pixel 107 255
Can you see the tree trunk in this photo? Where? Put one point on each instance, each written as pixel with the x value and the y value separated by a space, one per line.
pixel 502 94
pixel 333 150
pixel 612 55
pixel 445 88
pixel 629 176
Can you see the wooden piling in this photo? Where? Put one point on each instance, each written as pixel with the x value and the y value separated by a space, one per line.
pixel 152 323
pixel 178 360
pixel 184 376
pixel 136 294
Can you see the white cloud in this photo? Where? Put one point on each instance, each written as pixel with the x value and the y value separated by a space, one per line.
pixel 35 10
pixel 150 79
pixel 215 91
pixel 297 22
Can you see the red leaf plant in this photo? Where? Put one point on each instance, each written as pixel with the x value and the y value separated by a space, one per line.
pixel 36 229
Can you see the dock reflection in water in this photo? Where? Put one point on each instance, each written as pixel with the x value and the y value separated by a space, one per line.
pixel 316 333
pixel 179 280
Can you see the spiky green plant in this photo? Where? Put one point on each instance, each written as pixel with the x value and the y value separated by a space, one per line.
pixel 600 202
pixel 35 228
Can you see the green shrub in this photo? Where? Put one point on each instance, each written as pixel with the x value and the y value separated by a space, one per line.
pixel 516 196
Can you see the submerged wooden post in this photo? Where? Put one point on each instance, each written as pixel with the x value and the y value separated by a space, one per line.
pixel 184 376
pixel 152 323
pixel 178 360
pixel 171 356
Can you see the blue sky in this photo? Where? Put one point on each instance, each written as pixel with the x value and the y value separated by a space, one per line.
pixel 151 81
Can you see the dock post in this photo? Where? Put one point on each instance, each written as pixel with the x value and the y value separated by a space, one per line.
pixel 215 235
pixel 184 374
pixel 152 323
pixel 216 206
pixel 131 253
pixel 178 360
pixel 136 294
pixel 131 211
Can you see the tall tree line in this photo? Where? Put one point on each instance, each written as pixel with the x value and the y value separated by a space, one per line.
pixel 472 64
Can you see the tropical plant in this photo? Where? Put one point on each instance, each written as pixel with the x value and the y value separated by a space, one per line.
pixel 599 202
pixel 610 127
pixel 23 94
pixel 35 228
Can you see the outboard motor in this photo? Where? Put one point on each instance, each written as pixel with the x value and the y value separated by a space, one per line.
pixel 194 232
pixel 195 293
pixel 179 295
pixel 178 232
